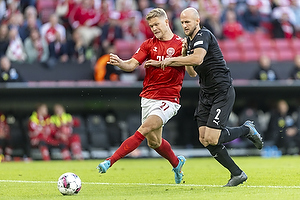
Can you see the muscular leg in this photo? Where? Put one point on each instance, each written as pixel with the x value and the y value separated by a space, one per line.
pixel 151 123
pixel 162 146
pixel 208 138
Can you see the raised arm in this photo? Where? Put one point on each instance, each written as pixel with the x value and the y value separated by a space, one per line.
pixel 125 65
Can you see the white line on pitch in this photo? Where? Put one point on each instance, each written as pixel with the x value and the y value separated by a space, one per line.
pixel 154 184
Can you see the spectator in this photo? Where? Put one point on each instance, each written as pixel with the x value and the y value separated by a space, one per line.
pixel 26 3
pixel 213 23
pixel 234 6
pixel 85 18
pixel 31 22
pixel 16 21
pixel 5 146
pixel 111 31
pixel 283 23
pixel 265 71
pixel 36 48
pixel 105 9
pixel 76 49
pixel 282 130
pixel 295 73
pixel 104 71
pixel 295 7
pixel 4 40
pixel 64 123
pixel 252 17
pixel 63 10
pixel 9 73
pixel 130 29
pixel 42 133
pixel 55 35
pixel 26 28
pixel 144 27
pixel 11 10
pixel 15 51
pixel 2 9
pixel 31 11
pixel 232 29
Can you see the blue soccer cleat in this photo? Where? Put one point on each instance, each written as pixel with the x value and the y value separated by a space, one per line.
pixel 253 135
pixel 177 170
pixel 103 167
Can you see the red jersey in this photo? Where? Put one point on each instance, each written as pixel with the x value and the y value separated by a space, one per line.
pixel 158 83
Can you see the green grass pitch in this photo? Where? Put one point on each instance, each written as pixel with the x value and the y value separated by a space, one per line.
pixel 268 178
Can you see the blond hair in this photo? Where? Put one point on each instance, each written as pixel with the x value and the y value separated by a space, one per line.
pixel 156 12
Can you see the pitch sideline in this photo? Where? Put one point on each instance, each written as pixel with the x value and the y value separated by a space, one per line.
pixel 154 184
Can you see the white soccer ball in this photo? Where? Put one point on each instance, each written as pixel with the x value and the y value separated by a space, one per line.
pixel 69 184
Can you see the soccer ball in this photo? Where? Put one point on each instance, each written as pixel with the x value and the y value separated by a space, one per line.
pixel 69 184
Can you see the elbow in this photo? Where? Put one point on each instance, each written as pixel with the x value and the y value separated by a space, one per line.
pixel 198 62
pixel 192 74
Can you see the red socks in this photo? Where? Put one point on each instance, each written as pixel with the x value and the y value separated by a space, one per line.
pixel 165 151
pixel 134 141
pixel 126 147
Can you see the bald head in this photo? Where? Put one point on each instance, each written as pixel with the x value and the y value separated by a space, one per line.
pixel 190 20
pixel 191 12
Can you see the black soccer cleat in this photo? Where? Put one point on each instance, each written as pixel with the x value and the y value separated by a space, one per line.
pixel 236 180
pixel 253 135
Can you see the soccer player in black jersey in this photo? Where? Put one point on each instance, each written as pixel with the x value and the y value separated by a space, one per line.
pixel 202 56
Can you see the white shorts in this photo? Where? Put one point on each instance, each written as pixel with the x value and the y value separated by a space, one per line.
pixel 162 108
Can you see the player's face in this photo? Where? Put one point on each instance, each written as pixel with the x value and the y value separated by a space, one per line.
pixel 158 27
pixel 189 24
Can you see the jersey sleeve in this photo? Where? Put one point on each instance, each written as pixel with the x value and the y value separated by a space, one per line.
pixel 142 53
pixel 202 40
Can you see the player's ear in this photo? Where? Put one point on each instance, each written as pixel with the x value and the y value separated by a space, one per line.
pixel 166 21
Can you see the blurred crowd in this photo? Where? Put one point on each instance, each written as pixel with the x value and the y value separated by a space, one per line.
pixel 43 132
pixel 70 135
pixel 54 31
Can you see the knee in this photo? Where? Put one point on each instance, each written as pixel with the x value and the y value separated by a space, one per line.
pixel 208 141
pixel 153 144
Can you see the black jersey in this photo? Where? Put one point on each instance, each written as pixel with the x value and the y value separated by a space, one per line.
pixel 213 73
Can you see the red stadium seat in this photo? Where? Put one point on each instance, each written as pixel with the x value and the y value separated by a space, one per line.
pixel 271 53
pixel 250 55
pixel 264 44
pixel 285 55
pixel 282 44
pixel 233 55
pixel 229 45
pixel 295 45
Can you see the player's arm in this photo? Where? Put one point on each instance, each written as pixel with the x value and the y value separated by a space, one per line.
pixel 125 65
pixel 190 60
pixel 190 70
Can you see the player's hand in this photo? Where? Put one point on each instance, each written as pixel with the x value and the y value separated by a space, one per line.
pixel 114 60
pixel 166 62
pixel 184 47
pixel 153 63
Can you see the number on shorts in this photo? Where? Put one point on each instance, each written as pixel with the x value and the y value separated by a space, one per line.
pixel 164 106
pixel 218 113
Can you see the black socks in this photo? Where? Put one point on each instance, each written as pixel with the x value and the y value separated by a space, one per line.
pixel 230 133
pixel 219 152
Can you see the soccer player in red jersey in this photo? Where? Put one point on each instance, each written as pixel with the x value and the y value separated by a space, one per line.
pixel 160 94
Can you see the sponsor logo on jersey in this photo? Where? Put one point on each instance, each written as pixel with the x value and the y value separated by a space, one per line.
pixel 198 43
pixel 170 52
pixel 155 49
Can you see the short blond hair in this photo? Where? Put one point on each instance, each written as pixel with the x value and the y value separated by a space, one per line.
pixel 156 12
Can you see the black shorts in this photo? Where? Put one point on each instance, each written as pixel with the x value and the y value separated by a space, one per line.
pixel 214 109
